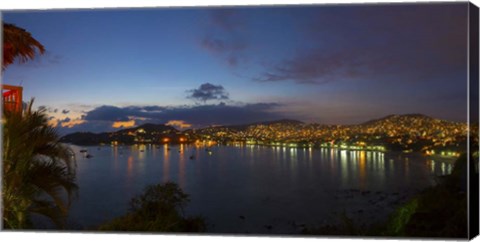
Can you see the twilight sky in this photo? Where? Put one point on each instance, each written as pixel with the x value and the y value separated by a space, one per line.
pixel 192 67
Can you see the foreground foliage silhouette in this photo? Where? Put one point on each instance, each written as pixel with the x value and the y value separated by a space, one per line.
pixel 38 171
pixel 158 209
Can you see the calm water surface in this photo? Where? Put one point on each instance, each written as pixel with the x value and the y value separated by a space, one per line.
pixel 275 189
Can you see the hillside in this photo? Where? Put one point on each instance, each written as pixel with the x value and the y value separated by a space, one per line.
pixel 143 133
pixel 396 132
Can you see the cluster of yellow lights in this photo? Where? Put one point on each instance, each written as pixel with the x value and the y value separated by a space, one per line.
pixel 443 153
pixel 181 139
pixel 449 153
pixel 363 146
pixel 205 142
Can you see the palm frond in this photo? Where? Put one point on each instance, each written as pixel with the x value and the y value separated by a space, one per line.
pixel 19 43
pixel 39 172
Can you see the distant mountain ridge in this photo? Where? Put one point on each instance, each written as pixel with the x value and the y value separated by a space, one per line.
pixel 125 135
pixel 149 127
pixel 392 117
pixel 161 127
pixel 280 121
pixel 407 133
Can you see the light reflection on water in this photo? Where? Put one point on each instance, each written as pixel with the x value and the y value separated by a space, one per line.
pixel 267 185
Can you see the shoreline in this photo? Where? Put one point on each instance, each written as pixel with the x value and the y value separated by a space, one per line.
pixel 448 159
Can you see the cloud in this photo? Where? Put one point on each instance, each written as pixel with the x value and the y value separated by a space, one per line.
pixel 225 19
pixel 88 126
pixel 48 109
pixel 113 113
pixel 151 108
pixel 180 124
pixel 382 43
pixel 208 91
pixel 70 123
pixel 137 118
pixel 221 46
pixel 123 124
pixel 103 118
pixel 53 122
pixel 315 67
pixel 225 38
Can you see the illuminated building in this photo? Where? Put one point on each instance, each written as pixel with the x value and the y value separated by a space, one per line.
pixel 12 98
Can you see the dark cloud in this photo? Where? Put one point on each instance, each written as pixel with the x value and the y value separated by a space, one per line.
pixel 65 111
pixel 224 37
pixel 395 42
pixel 222 114
pixel 113 113
pixel 316 67
pixel 101 118
pixel 92 126
pixel 207 92
pixel 152 109
pixel 220 46
pixel 48 109
pixel 225 19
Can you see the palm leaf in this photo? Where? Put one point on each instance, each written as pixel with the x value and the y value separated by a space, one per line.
pixel 39 172
pixel 18 43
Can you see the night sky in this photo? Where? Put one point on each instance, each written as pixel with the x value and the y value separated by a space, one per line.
pixel 192 67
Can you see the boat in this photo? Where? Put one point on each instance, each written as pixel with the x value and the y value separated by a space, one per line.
pixel 83 151
pixel 88 156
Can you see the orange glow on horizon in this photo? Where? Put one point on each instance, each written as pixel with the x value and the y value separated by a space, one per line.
pixel 123 124
pixel 179 123
pixel 72 123
pixel 137 118
pixel 53 122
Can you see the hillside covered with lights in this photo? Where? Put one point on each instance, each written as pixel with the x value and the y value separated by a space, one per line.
pixel 407 133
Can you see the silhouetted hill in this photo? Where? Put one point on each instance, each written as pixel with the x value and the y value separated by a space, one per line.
pixel 282 121
pixel 396 118
pixel 401 132
pixel 85 138
pixel 143 133
pixel 243 127
pixel 149 127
